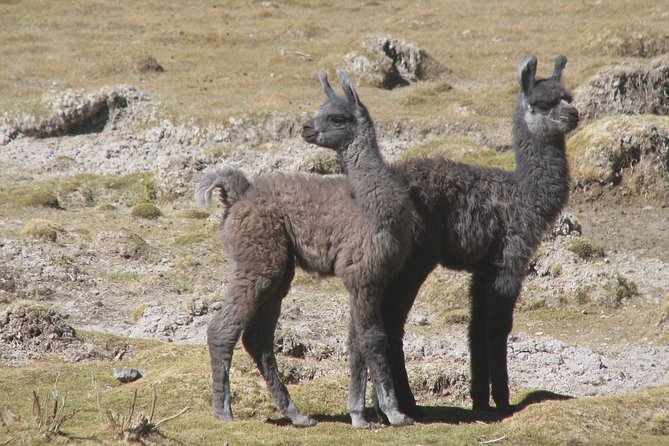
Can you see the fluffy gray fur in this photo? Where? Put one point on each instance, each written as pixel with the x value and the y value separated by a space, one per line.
pixel 354 228
pixel 488 222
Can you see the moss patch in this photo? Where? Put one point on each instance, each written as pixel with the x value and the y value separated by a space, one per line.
pixel 146 210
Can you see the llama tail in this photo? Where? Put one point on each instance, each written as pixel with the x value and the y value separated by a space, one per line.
pixel 231 182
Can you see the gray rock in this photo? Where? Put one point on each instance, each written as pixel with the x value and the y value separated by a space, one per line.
pixel 127 374
pixel 629 88
pixel 388 62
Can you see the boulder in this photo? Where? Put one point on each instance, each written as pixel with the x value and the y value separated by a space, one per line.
pixel 629 88
pixel 385 61
pixel 628 152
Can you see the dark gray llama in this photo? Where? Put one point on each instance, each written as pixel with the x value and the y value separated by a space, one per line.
pixel 489 222
pixel 355 228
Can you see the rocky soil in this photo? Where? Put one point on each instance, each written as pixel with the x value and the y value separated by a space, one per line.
pixel 119 131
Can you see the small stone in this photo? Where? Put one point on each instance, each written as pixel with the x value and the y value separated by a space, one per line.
pixel 421 320
pixel 127 374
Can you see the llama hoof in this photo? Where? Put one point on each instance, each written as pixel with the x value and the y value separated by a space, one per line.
pixel 224 416
pixel 359 421
pixel 483 407
pixel 303 421
pixel 399 419
pixel 504 410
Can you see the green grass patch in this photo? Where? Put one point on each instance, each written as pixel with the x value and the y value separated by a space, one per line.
pixel 128 189
pixel 36 195
pixel 621 290
pixel 184 288
pixel 43 199
pixel 423 93
pixel 146 210
pixel 180 376
pixel 218 151
pixel 490 158
pixel 448 293
pixel 138 312
pixel 122 276
pixel 195 214
pixel 586 249
pixel 462 150
pixel 191 239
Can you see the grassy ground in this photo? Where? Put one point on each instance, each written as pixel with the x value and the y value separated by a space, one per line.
pixel 179 375
pixel 223 59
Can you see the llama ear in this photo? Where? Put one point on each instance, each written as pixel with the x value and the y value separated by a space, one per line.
pixel 560 63
pixel 347 85
pixel 527 72
pixel 329 92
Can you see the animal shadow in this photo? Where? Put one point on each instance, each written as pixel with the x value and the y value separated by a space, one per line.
pixel 454 415
pixel 442 414
pixel 539 396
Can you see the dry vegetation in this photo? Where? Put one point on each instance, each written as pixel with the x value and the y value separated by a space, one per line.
pixel 223 59
pixel 113 251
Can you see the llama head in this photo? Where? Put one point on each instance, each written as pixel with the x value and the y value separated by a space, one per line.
pixel 545 103
pixel 337 120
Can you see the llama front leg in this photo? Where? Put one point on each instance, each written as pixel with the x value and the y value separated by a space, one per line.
pixel 499 321
pixel 372 342
pixel 478 350
pixel 358 383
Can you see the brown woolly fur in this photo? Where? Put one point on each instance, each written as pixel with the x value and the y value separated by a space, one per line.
pixel 488 222
pixel 355 229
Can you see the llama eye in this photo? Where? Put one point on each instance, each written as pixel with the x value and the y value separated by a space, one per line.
pixel 339 120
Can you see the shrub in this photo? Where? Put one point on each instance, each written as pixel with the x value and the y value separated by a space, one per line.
pixel 42 198
pixel 586 249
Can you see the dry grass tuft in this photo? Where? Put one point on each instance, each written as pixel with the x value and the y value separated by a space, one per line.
pixel 49 413
pixel 42 198
pixel 195 214
pixel 41 229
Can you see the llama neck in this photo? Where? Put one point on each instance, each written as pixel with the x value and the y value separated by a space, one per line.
pixel 541 170
pixel 380 194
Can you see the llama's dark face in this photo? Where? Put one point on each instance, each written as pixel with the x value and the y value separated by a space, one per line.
pixel 333 127
pixel 335 124
pixel 547 105
pixel 549 110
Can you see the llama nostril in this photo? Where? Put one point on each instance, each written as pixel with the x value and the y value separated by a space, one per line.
pixel 307 131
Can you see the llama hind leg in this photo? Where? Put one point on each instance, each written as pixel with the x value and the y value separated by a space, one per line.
pixel 244 295
pixel 223 333
pixel 399 298
pixel 258 340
